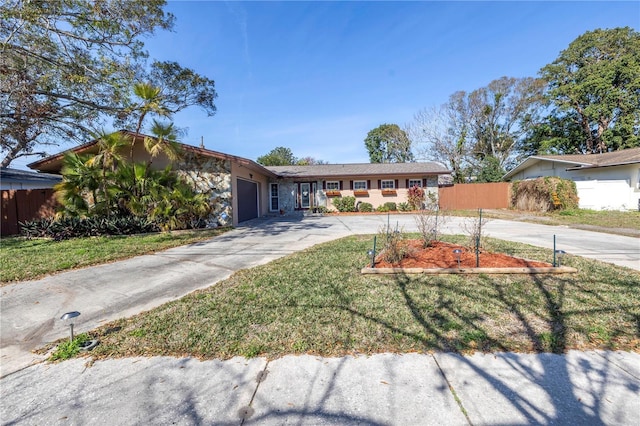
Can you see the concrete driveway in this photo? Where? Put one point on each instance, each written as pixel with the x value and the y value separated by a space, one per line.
pixel 31 310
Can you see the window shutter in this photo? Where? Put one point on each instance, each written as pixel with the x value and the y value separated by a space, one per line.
pixel 340 185
pixel 396 184
pixel 424 182
pixel 379 184
pixel 406 183
pixel 351 185
pixel 368 184
pixel 324 184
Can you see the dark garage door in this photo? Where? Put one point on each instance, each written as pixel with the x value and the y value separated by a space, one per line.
pixel 247 200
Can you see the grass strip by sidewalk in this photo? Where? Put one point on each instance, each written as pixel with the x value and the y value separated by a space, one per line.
pixel 23 259
pixel 611 220
pixel 317 302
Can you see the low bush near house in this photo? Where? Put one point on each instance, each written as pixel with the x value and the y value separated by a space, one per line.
pixel 365 207
pixel 404 207
pixel 544 194
pixel 73 227
pixel 390 206
pixel 415 197
pixel 387 207
pixel 345 204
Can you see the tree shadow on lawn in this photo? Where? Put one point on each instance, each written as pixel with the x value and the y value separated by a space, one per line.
pixel 555 375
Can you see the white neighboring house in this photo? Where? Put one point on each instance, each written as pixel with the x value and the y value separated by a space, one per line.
pixel 608 181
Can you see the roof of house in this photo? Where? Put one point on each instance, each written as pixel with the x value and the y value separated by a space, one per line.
pixel 359 169
pixel 16 175
pixel 54 162
pixel 583 161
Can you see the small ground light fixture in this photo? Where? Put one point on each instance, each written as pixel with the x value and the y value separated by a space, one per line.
pixel 457 253
pixel 69 318
pixel 559 255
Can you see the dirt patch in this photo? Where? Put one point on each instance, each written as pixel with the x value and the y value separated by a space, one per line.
pixel 441 255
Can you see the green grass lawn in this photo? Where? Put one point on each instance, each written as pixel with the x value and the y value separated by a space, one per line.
pixel 611 220
pixel 23 259
pixel 317 302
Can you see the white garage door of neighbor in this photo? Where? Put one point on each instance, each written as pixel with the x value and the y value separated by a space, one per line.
pixel 603 194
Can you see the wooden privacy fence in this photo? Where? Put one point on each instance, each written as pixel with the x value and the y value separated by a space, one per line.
pixel 25 204
pixel 475 196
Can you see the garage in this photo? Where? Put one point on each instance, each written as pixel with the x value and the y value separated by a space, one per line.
pixel 247 200
pixel 604 194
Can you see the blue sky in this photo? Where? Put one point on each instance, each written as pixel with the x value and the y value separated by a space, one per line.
pixel 317 76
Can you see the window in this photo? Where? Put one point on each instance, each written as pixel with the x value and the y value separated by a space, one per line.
pixel 388 184
pixel 273 193
pixel 333 185
pixel 415 182
pixel 359 185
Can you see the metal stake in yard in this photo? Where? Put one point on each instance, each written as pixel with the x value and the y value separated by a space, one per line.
pixel 372 253
pixel 554 250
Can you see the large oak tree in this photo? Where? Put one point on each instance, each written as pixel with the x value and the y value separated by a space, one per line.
pixel 594 87
pixel 388 143
pixel 68 68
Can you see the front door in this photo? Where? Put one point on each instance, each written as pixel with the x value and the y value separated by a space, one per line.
pixel 305 195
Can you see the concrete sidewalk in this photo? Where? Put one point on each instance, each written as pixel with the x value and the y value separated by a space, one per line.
pixel 385 389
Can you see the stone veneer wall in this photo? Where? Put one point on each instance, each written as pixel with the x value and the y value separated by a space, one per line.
pixel 432 186
pixel 211 176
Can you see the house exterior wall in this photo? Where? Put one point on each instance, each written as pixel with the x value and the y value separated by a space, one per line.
pixel 211 176
pixel 599 188
pixel 287 190
pixel 544 168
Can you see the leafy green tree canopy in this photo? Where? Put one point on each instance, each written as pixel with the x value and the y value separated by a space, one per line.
pixel 68 67
pixel 279 156
pixel 594 86
pixel 490 170
pixel 388 143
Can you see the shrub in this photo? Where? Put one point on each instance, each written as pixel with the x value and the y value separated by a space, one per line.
pixel 73 227
pixel 404 207
pixel 365 207
pixel 544 194
pixel 429 221
pixel 395 248
pixel 415 196
pixel 389 206
pixel 345 204
pixel 322 209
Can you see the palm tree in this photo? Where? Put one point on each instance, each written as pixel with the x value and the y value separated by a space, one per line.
pixel 152 101
pixel 164 141
pixel 80 181
pixel 109 156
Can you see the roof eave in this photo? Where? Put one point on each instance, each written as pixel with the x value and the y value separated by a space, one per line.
pixel 598 166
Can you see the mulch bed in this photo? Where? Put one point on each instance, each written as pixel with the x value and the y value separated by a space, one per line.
pixel 440 255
